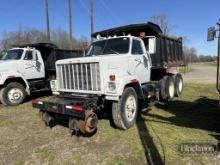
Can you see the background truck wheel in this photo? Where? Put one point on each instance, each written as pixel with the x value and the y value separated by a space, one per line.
pixel 178 80
pixel 13 94
pixel 125 111
pixel 167 88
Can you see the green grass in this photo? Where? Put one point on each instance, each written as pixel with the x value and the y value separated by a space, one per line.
pixel 19 162
pixel 46 154
pixel 6 123
pixel 185 69
pixel 212 64
pixel 194 117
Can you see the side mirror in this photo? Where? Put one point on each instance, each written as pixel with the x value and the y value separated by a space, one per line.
pixel 35 57
pixel 152 45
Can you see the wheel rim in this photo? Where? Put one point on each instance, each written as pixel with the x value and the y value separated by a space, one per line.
pixel 171 90
pixel 180 86
pixel 15 95
pixel 130 108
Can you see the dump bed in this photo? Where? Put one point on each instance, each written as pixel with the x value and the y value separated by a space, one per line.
pixel 58 54
pixel 50 54
pixel 169 52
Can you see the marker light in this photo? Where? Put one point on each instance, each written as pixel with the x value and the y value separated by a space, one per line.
pixel 112 77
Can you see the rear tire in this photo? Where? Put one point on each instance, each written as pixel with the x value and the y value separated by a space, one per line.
pixel 178 80
pixel 125 111
pixel 163 93
pixel 13 94
pixel 167 88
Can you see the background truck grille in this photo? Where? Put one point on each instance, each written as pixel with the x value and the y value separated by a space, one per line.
pixel 83 76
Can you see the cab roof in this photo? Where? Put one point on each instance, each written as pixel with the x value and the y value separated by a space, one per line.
pixel 149 28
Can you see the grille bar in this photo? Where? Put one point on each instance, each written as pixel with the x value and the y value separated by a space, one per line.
pixel 83 76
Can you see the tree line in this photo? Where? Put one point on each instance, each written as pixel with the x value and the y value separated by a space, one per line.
pixel 191 56
pixel 190 53
pixel 23 36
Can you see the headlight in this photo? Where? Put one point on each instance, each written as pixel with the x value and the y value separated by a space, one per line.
pixel 111 86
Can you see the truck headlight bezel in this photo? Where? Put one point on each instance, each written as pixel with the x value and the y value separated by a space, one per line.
pixel 112 86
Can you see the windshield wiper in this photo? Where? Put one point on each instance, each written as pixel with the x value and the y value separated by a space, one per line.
pixel 114 51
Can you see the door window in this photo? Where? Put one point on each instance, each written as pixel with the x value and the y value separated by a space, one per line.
pixel 137 48
pixel 28 55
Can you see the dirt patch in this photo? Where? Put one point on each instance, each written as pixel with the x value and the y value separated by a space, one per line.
pixel 201 73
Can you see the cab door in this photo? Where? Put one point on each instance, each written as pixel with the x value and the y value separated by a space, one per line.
pixel 33 65
pixel 139 62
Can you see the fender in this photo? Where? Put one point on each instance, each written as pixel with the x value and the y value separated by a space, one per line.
pixel 120 86
pixel 4 76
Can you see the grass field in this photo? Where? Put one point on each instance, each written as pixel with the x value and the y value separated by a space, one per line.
pixel 194 117
pixel 185 69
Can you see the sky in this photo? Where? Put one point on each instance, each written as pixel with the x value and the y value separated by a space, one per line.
pixel 191 18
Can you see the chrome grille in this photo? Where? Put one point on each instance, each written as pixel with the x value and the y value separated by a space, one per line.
pixel 80 76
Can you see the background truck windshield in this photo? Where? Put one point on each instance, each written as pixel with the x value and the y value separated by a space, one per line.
pixel 14 54
pixel 110 46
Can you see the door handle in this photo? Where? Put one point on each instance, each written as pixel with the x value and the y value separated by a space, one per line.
pixel 138 60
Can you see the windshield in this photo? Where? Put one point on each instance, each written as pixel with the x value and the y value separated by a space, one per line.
pixel 14 54
pixel 110 46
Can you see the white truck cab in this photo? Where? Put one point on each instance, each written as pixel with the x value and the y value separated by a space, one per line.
pixel 28 69
pixel 25 62
pixel 22 65
pixel 110 64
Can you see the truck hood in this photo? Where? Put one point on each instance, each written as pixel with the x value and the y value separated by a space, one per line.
pixel 109 64
pixel 90 59
pixel 8 65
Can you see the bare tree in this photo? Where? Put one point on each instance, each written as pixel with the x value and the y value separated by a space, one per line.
pixel 163 22
pixel 24 36
pixel 190 55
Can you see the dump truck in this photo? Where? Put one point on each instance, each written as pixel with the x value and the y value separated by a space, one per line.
pixel 123 67
pixel 29 68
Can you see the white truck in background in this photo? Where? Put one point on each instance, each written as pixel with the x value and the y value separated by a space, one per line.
pixel 27 69
pixel 123 66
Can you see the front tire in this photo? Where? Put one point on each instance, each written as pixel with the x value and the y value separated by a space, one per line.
pixel 13 94
pixel 125 111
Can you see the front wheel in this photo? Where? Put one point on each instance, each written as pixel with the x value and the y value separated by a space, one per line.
pixel 13 94
pixel 125 111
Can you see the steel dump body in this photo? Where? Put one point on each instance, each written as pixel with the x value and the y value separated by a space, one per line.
pixel 169 51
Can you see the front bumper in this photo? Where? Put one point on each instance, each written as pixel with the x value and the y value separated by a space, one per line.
pixel 62 106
